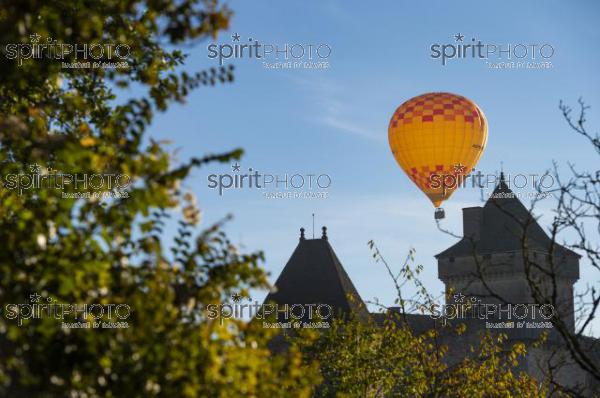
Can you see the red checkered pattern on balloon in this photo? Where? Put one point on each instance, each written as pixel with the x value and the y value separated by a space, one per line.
pixel 426 106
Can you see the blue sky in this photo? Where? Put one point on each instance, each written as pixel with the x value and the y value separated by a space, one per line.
pixel 335 121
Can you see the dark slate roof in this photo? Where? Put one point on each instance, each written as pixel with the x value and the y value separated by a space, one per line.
pixel 314 275
pixel 502 230
pixel 422 323
pixel 418 323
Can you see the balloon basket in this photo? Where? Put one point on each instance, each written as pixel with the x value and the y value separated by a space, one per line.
pixel 439 214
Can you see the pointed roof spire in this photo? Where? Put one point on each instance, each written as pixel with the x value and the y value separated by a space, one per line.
pixel 504 221
pixel 502 190
pixel 315 275
pixel 502 183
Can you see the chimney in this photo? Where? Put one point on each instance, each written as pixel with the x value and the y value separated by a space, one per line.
pixel 472 222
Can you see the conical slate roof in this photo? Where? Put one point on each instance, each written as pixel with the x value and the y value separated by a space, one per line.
pixel 315 275
pixel 504 222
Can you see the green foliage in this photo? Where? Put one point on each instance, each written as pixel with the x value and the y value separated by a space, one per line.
pixel 367 360
pixel 111 251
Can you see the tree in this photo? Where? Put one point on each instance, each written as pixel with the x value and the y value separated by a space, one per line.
pixel 368 360
pixel 575 225
pixel 60 247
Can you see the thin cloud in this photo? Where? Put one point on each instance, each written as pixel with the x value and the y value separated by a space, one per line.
pixel 343 124
pixel 335 113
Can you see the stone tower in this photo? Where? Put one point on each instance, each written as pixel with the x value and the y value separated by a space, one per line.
pixel 503 250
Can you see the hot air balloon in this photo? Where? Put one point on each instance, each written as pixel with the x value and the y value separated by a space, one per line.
pixel 437 139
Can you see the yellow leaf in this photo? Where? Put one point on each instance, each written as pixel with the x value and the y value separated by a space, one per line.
pixel 87 141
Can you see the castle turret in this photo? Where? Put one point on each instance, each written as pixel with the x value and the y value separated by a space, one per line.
pixel 315 275
pixel 503 251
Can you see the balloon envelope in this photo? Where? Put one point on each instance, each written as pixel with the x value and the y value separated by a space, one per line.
pixel 437 139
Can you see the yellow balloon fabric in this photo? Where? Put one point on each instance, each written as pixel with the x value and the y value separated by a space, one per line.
pixel 437 138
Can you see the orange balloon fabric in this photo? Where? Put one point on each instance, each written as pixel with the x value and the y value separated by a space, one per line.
pixel 437 138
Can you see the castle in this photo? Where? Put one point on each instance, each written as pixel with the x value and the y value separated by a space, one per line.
pixel 502 254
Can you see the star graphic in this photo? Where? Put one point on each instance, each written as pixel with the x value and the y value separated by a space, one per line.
pixel 235 37
pixel 459 298
pixel 35 168
pixel 236 297
pixel 235 167
pixel 459 168
pixel 34 38
pixel 35 298
pixel 459 37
